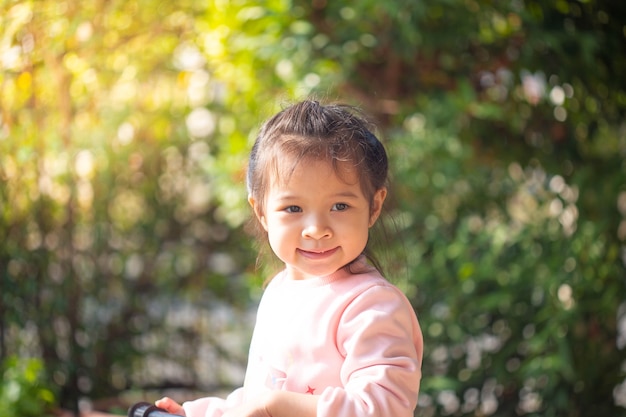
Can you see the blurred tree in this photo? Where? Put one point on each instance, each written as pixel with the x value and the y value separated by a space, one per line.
pixel 108 216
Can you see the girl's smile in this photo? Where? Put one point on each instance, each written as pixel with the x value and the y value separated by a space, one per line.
pixel 317 254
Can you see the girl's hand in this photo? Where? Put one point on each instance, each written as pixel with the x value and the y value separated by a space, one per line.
pixel 170 406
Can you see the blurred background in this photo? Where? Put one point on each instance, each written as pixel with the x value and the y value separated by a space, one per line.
pixel 125 125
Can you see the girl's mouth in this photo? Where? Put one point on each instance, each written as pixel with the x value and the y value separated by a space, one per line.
pixel 317 254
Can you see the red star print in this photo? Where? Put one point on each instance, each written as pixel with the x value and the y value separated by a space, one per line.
pixel 310 390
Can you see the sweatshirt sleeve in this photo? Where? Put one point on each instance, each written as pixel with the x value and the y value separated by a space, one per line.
pixel 212 406
pixel 380 337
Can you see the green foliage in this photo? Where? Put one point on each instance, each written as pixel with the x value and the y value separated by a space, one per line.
pixel 109 216
pixel 24 391
pixel 514 292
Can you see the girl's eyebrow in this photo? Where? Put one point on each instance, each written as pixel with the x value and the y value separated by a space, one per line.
pixel 289 196
pixel 346 194
pixel 286 198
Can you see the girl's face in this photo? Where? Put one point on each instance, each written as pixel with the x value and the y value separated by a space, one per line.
pixel 317 221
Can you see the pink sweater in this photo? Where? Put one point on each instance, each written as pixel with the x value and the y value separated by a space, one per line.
pixel 353 339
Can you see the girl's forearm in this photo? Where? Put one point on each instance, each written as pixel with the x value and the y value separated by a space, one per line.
pixel 290 404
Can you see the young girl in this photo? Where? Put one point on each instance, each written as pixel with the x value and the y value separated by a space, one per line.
pixel 333 338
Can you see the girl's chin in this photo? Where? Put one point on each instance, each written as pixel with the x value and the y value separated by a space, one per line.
pixel 308 272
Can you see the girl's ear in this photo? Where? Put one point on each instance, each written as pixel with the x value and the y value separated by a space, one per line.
pixel 257 212
pixel 377 205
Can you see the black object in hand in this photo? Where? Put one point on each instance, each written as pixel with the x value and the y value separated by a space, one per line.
pixel 148 410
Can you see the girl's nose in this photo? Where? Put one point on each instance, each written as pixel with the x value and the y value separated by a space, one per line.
pixel 316 228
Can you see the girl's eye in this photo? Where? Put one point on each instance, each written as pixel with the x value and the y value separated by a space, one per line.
pixel 340 206
pixel 293 209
